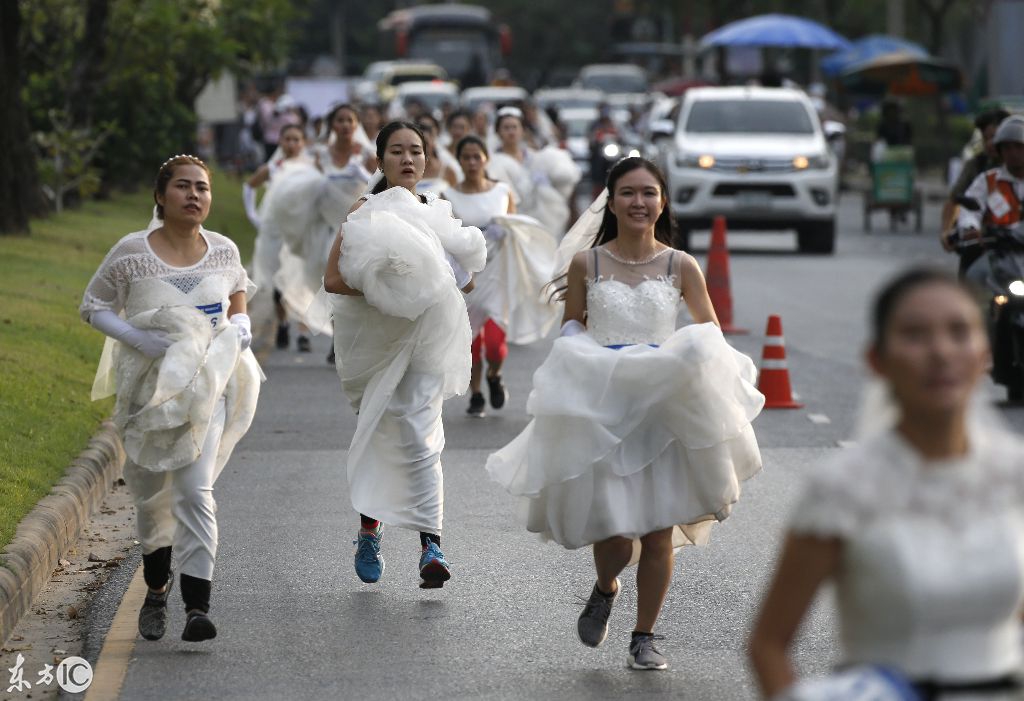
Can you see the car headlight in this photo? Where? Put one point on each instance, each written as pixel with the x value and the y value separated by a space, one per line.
pixel 819 162
pixel 611 150
pixel 695 160
pixel 1017 288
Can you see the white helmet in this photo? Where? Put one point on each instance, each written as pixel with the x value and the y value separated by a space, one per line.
pixel 1011 129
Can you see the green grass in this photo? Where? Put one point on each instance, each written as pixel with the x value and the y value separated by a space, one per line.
pixel 48 356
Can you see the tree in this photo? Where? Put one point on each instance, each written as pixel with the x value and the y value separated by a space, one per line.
pixel 936 11
pixel 20 196
pixel 112 83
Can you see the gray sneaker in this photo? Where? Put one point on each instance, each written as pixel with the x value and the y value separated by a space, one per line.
pixel 592 626
pixel 153 614
pixel 643 654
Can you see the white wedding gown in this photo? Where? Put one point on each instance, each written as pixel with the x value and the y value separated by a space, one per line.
pixel 402 348
pixel 636 426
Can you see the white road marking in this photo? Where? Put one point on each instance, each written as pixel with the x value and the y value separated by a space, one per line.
pixel 819 419
pixel 846 444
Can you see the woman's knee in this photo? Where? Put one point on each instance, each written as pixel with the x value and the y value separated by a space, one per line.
pixel 657 541
pixel 195 501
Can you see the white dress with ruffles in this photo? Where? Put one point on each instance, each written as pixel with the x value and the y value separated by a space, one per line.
pixel 308 206
pixel 402 348
pixel 636 426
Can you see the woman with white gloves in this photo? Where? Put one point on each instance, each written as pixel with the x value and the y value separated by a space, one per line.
pixel 402 340
pixel 172 301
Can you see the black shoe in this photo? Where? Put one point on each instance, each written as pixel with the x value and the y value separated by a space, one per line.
pixel 282 336
pixel 153 614
pixel 330 357
pixel 476 404
pixel 497 391
pixel 303 345
pixel 198 627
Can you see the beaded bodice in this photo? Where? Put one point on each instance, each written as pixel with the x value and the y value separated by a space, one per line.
pixel 631 303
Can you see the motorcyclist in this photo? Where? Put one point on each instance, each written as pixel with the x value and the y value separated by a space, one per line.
pixel 999 191
pixel 986 159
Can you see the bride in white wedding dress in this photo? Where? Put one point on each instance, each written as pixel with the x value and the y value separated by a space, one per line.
pixel 641 432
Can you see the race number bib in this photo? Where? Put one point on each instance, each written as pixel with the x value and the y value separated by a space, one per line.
pixel 212 311
pixel 998 205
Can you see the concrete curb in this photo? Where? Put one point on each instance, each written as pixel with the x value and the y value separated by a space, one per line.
pixel 46 534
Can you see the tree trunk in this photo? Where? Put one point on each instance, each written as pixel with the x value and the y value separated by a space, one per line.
pixel 90 54
pixel 20 194
pixel 936 15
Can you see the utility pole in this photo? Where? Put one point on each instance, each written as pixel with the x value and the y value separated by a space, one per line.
pixel 895 18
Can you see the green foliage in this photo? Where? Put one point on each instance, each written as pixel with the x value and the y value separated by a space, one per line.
pixel 155 58
pixel 67 156
pixel 48 355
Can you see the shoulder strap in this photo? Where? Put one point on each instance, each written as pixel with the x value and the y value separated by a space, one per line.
pixel 671 259
pixel 597 265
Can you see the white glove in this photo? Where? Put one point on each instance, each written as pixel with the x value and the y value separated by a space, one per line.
pixel 249 200
pixel 572 328
pixel 244 325
pixel 151 344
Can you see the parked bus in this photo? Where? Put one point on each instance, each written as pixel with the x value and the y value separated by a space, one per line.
pixel 462 39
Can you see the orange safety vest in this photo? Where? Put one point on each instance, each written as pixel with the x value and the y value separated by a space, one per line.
pixel 1013 214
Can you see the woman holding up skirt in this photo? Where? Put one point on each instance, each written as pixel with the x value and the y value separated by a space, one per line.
pixel 172 302
pixel 641 432
pixel 402 337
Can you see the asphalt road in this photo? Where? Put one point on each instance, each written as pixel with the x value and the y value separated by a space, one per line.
pixel 296 623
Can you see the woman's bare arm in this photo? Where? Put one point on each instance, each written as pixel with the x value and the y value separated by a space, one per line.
pixel 576 290
pixel 806 562
pixel 261 176
pixel 236 303
pixel 695 291
pixel 333 281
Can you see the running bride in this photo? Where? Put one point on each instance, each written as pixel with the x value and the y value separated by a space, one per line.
pixel 641 432
pixel 402 340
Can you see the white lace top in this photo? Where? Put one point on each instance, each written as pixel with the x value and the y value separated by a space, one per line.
pixel 630 303
pixel 133 279
pixel 931 580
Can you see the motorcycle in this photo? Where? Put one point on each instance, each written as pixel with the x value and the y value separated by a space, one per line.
pixel 1000 272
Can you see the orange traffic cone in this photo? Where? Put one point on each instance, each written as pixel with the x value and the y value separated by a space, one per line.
pixel 773 382
pixel 718 277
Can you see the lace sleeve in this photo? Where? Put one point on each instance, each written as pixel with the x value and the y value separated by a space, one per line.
pixel 828 506
pixel 109 284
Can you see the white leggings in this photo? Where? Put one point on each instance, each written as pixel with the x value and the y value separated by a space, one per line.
pixel 176 507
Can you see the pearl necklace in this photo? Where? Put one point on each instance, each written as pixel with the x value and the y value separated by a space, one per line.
pixel 626 261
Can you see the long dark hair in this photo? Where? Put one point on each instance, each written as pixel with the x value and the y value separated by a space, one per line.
pixel 664 227
pixel 382 146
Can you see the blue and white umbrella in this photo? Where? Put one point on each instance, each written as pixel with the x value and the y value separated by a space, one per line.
pixel 784 31
pixel 867 48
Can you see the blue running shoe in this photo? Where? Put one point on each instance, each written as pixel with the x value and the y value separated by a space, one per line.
pixel 369 563
pixel 433 567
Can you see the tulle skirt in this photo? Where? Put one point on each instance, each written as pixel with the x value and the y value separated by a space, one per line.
pixel 630 441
